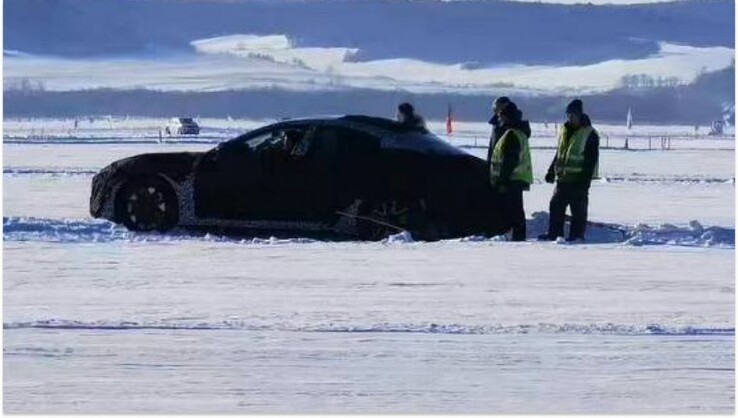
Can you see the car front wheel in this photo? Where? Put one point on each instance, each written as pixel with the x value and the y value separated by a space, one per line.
pixel 147 205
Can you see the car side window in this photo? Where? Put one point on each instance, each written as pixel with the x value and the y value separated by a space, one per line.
pixel 342 142
pixel 293 140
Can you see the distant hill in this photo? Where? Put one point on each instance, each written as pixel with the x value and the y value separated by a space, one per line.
pixel 475 32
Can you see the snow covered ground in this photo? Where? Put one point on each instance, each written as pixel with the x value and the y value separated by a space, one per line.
pixel 640 319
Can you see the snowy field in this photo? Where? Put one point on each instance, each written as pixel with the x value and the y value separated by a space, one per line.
pixel 639 319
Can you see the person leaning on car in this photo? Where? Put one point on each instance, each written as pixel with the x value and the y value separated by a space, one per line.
pixel 497 129
pixel 573 168
pixel 511 169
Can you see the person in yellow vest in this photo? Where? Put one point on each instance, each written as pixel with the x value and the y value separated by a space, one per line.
pixel 511 170
pixel 573 168
pixel 497 128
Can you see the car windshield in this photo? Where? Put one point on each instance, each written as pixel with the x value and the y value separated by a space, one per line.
pixel 425 143
pixel 186 120
pixel 287 138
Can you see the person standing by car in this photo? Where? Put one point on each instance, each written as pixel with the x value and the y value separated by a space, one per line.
pixel 407 116
pixel 511 169
pixel 573 168
pixel 500 103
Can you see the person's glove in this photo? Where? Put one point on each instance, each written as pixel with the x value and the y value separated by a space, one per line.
pixel 550 176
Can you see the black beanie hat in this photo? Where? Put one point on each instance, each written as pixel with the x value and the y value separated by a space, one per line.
pixel 575 106
pixel 511 112
pixel 502 100
pixel 406 108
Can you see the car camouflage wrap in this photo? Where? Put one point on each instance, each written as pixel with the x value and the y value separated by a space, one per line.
pixel 354 176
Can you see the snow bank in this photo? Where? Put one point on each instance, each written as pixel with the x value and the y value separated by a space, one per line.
pixel 640 178
pixel 51 171
pixel 403 237
pixel 94 230
pixel 695 235
pixel 91 230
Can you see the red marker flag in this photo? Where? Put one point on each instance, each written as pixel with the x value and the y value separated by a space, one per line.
pixel 449 121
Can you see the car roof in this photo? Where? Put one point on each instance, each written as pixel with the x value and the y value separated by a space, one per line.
pixel 376 122
pixel 395 135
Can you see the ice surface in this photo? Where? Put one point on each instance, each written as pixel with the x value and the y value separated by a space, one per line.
pixel 99 319
pixel 217 371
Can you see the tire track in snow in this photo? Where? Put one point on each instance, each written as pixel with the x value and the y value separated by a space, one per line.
pixel 423 328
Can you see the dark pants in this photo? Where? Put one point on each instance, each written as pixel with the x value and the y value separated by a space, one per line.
pixel 577 198
pixel 515 212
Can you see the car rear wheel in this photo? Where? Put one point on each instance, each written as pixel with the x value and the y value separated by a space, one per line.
pixel 147 205
pixel 390 217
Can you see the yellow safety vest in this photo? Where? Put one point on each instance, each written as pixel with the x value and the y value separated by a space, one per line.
pixel 524 170
pixel 570 155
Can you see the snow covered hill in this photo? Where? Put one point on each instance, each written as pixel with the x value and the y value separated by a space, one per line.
pixel 220 58
pixel 483 32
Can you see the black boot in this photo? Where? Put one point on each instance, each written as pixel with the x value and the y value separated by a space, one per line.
pixel 546 237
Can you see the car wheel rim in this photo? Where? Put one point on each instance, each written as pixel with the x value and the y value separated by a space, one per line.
pixel 392 213
pixel 146 208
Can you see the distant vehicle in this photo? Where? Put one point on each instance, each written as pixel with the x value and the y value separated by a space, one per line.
pixel 182 126
pixel 717 128
pixel 355 176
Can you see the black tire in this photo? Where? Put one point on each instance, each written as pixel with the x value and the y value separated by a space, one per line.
pixel 147 204
pixel 382 219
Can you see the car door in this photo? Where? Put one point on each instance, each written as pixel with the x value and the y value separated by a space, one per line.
pixel 329 169
pixel 345 158
pixel 243 179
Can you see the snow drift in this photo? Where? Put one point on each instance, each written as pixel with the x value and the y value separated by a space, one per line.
pixel 89 230
pixel 431 328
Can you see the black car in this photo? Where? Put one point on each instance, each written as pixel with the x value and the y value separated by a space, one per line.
pixel 354 176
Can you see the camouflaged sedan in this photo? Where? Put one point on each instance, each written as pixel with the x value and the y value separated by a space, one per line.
pixel 359 177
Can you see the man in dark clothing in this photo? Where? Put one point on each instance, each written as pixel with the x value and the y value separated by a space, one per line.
pixel 511 170
pixel 406 115
pixel 573 168
pixel 499 104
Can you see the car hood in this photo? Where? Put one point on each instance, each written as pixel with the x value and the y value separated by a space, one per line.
pixel 176 165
